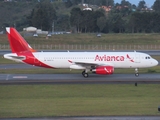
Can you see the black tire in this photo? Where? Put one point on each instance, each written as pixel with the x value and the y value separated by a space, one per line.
pixel 85 75
pixel 83 72
pixel 136 74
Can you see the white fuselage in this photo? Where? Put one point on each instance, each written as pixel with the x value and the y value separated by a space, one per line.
pixel 115 59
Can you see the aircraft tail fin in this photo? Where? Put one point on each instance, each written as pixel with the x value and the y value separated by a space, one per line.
pixel 17 42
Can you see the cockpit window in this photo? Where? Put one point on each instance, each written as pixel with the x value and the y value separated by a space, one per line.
pixel 148 57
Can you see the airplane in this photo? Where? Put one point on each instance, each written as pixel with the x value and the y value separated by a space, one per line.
pixel 102 63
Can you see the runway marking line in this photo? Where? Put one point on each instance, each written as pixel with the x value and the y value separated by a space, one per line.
pixel 19 77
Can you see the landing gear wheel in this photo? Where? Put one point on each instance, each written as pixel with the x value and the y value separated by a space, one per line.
pixel 85 74
pixel 136 74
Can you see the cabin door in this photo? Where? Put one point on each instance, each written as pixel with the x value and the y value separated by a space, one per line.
pixel 137 58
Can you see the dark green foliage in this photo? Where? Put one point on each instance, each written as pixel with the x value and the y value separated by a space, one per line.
pixel 75 2
pixel 76 18
pixel 68 3
pixel 145 22
pixel 85 21
pixel 42 16
pixel 62 23
pixel 141 5
pixel 13 14
pixel 123 18
pixel 156 5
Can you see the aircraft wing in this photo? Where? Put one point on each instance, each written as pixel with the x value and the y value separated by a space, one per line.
pixel 89 64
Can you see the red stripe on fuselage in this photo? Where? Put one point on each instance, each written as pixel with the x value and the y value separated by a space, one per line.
pixel 32 60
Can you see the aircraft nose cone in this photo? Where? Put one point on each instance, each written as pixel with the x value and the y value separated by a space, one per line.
pixel 156 63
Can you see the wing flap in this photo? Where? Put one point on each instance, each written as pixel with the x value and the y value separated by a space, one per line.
pixel 89 64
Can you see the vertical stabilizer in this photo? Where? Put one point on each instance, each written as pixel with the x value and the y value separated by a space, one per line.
pixel 17 42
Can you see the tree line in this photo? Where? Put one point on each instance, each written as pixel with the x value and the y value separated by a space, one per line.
pixel 124 17
pixel 118 20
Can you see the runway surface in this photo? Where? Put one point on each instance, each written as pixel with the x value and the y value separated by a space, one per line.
pixel 78 79
pixel 17 66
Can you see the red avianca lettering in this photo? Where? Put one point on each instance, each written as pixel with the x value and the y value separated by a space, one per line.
pixel 109 58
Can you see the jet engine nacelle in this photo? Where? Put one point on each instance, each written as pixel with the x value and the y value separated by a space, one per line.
pixel 103 70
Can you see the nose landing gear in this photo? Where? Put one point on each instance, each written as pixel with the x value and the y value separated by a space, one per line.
pixel 136 72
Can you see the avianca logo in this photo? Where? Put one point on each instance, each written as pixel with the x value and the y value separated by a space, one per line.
pixel 107 70
pixel 130 58
pixel 109 58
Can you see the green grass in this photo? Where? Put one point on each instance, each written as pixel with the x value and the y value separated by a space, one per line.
pixel 87 39
pixel 91 39
pixel 4 61
pixel 78 100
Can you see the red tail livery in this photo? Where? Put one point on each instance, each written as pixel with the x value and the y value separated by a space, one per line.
pixel 17 42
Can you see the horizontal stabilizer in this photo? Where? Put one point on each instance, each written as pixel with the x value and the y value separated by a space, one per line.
pixel 18 57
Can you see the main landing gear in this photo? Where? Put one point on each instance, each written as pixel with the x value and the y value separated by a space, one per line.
pixel 85 74
pixel 136 72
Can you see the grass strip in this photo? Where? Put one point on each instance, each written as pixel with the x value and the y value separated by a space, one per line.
pixel 91 38
pixel 78 100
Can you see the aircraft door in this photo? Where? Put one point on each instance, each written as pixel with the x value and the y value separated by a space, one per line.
pixel 137 58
